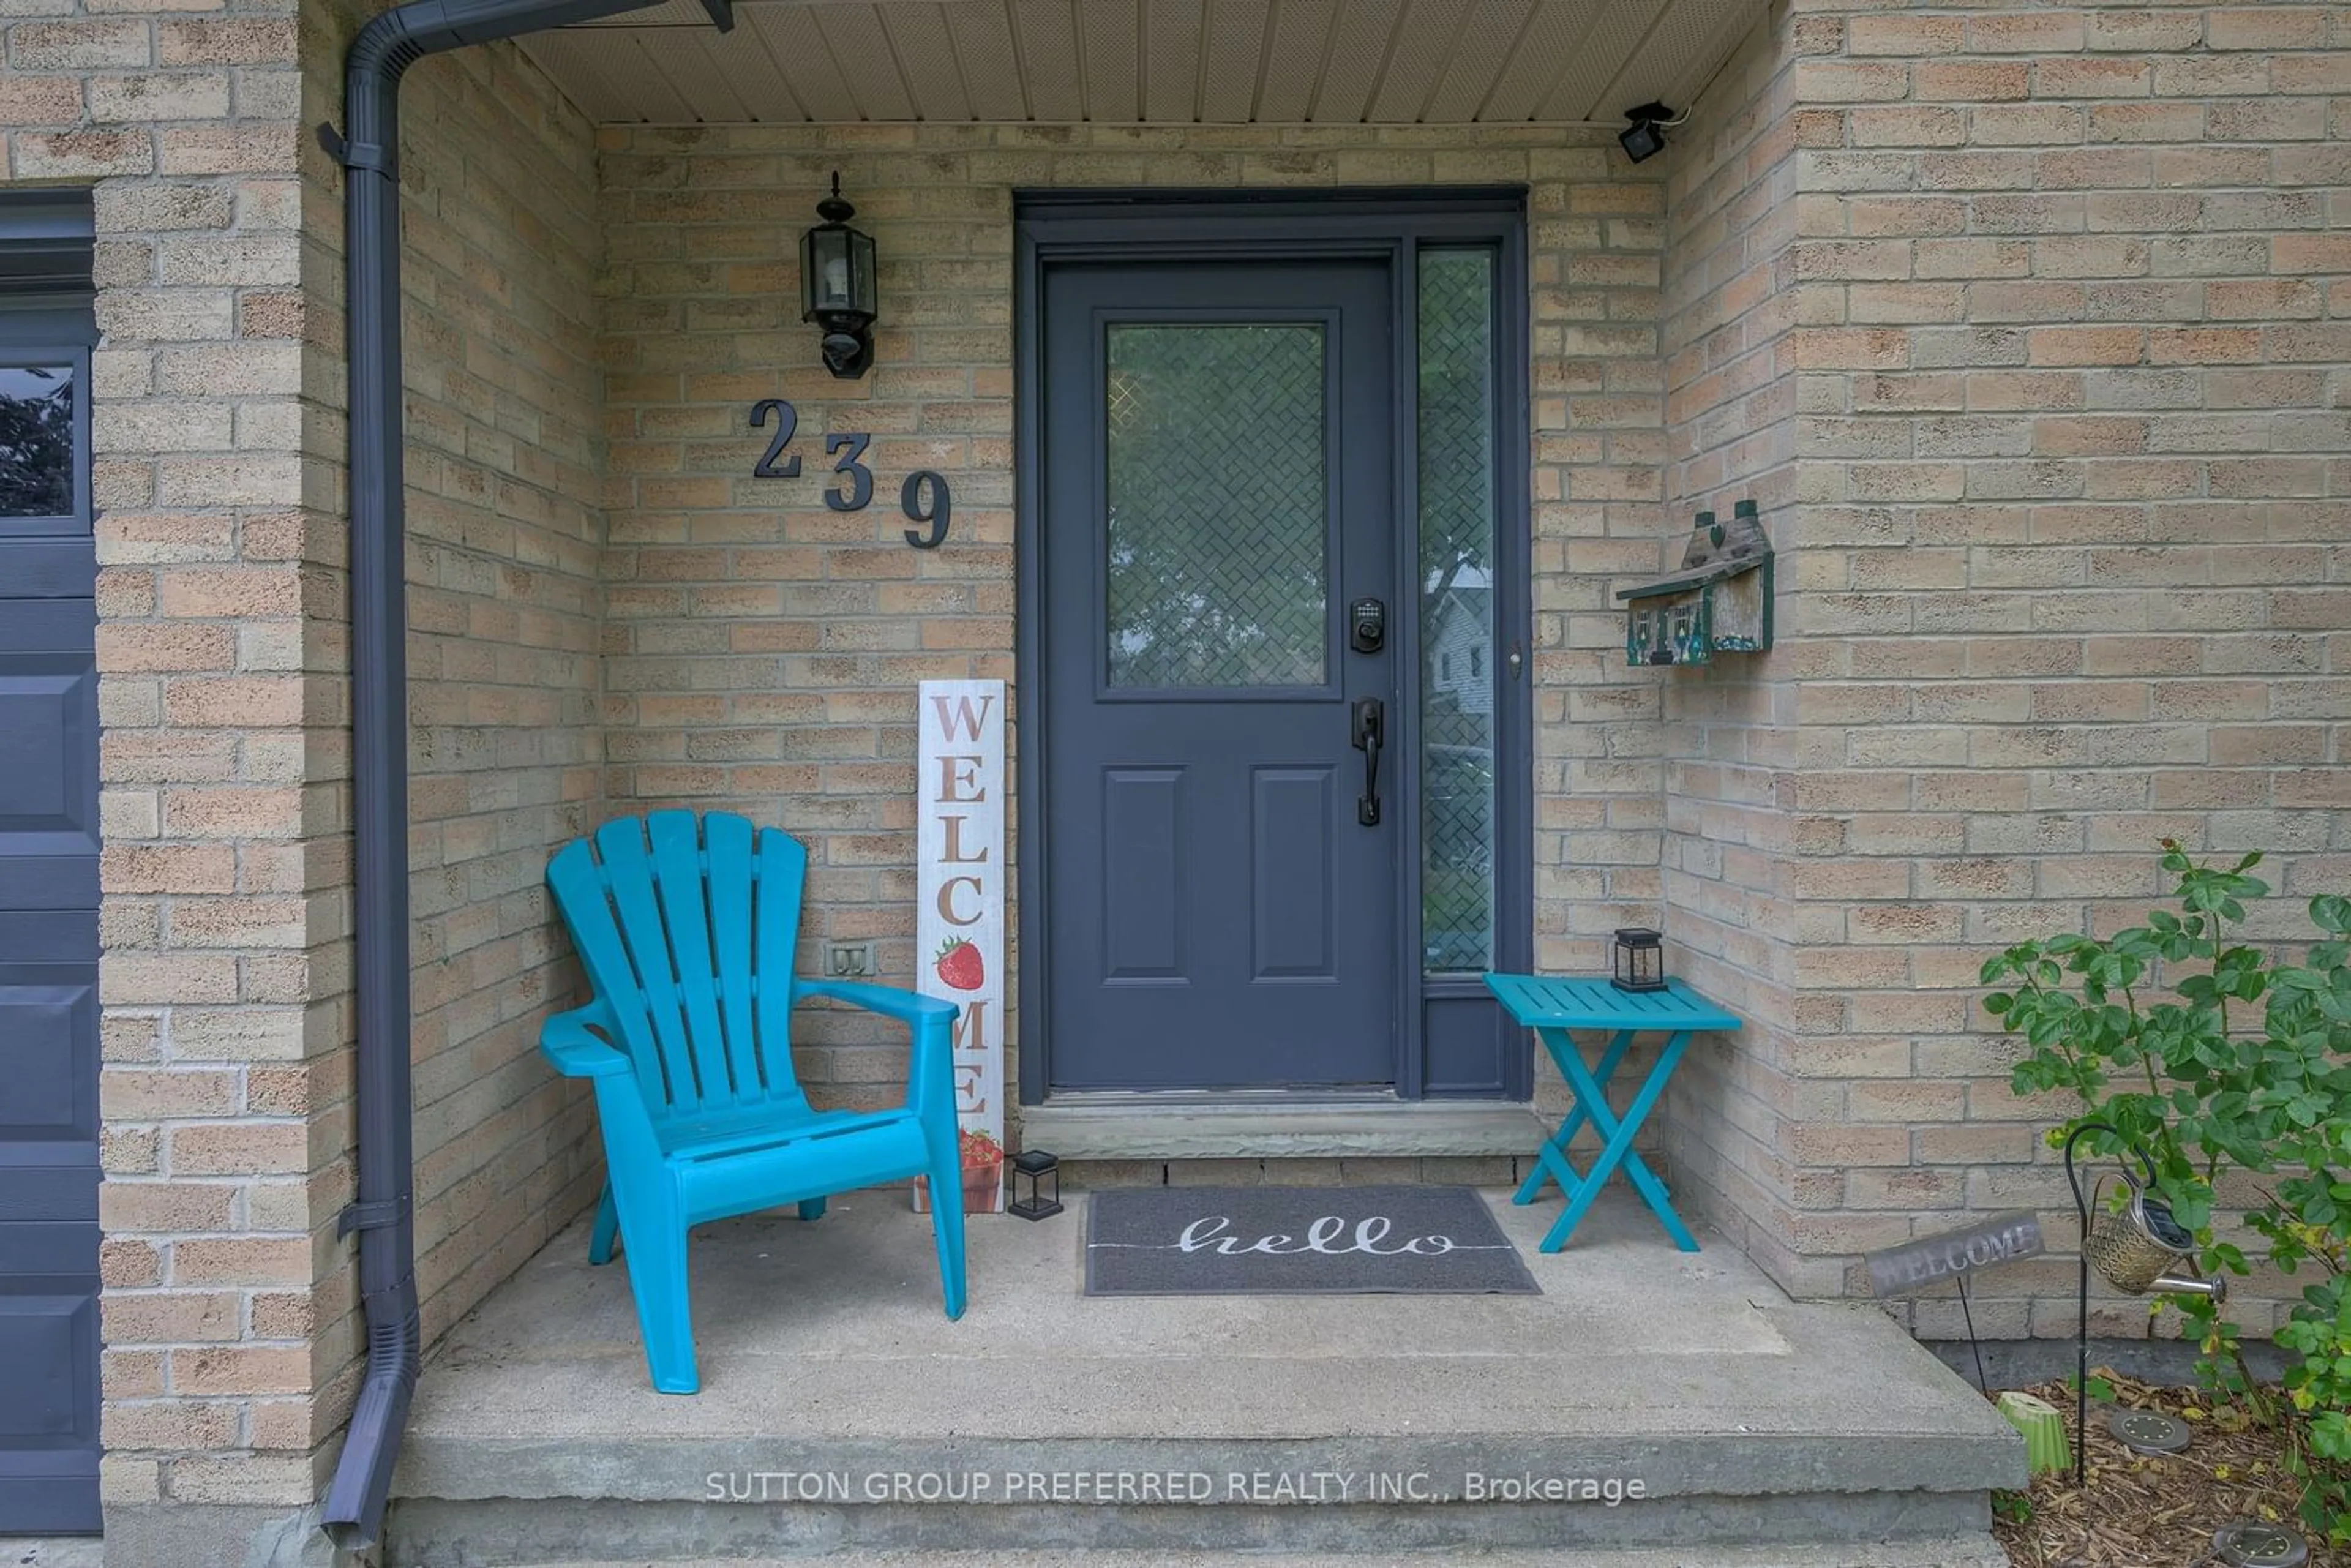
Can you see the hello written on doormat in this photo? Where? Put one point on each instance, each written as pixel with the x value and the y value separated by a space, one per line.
pixel 1298 1241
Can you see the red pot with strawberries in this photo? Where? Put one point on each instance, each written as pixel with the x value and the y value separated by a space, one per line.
pixel 983 1175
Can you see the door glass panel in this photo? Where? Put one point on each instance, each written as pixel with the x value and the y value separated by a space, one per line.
pixel 1456 607
pixel 1219 510
pixel 36 441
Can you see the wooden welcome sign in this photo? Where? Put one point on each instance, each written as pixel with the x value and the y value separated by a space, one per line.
pixel 959 911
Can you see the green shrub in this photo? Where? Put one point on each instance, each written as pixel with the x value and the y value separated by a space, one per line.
pixel 2211 1056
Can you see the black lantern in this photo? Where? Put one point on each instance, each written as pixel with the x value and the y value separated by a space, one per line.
pixel 1638 960
pixel 837 286
pixel 1028 1167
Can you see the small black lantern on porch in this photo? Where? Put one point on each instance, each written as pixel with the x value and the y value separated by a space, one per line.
pixel 1637 959
pixel 1029 1168
pixel 837 287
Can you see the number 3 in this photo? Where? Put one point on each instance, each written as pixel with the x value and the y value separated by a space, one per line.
pixel 852 447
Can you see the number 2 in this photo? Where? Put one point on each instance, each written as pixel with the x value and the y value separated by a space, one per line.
pixel 852 447
pixel 788 420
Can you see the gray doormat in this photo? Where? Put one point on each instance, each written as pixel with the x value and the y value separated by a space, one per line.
pixel 1298 1241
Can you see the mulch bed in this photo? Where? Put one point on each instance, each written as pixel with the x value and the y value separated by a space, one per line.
pixel 2141 1510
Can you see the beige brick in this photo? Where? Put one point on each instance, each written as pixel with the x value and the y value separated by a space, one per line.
pixel 77 154
pixel 256 1261
pixel 240 1369
pixel 2295 253
pixel 2053 32
pixel 123 1263
pixel 162 95
pixel 1912 126
pixel 2090 77
pixel 224 41
pixel 2149 29
pixel 2085 345
pixel 173 1317
pixel 131 1375
pixel 35 100
pixel 1893 33
pixel 274 1482
pixel 1829 81
pixel 173 1424
pixel 2273 27
pixel 1970 81
pixel 77 46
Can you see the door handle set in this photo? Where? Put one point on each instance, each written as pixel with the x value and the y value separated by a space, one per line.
pixel 1370 723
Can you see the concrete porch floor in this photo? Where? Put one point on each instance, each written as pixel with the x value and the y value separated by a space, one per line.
pixel 823 1352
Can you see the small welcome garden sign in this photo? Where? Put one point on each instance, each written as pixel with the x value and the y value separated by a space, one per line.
pixel 959 909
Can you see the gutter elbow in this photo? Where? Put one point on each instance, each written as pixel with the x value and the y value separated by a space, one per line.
pixel 390 43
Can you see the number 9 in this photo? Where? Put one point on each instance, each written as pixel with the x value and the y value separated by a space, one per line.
pixel 939 513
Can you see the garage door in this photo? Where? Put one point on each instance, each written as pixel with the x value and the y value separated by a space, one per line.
pixel 48 877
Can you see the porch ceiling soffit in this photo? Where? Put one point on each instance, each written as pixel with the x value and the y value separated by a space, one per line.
pixel 1136 62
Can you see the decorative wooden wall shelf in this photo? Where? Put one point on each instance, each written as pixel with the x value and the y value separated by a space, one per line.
pixel 1719 602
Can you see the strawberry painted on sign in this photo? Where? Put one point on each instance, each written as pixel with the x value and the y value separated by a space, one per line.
pixel 959 909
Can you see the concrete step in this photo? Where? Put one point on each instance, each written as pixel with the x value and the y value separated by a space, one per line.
pixel 841 1417
pixel 1949 1552
pixel 1816 1530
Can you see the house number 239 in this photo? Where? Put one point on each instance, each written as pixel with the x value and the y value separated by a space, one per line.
pixel 924 497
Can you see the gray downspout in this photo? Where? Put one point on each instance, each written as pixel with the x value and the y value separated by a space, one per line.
pixel 383 1213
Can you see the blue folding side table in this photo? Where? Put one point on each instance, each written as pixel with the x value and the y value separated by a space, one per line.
pixel 1554 1007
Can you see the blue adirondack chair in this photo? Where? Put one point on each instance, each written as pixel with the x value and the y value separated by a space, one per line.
pixel 688 943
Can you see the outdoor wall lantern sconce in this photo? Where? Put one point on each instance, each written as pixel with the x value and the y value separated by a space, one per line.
pixel 1718 601
pixel 1028 1167
pixel 837 286
pixel 1637 959
pixel 2131 1248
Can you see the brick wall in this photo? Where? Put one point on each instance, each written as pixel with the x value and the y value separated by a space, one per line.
pixel 229 1317
pixel 506 527
pixel 221 951
pixel 1729 407
pixel 503 413
pixel 2069 546
pixel 762 650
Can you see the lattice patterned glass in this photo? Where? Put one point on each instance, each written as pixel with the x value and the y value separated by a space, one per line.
pixel 1458 461
pixel 1219 510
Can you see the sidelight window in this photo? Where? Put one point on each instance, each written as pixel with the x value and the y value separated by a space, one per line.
pixel 1458 462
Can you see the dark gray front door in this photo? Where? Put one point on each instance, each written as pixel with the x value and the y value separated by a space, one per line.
pixel 1217 490
pixel 49 929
